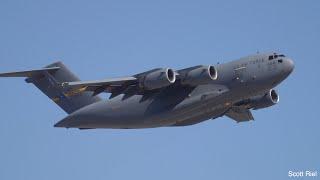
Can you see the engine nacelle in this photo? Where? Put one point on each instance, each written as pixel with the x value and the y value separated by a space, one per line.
pixel 158 79
pixel 201 75
pixel 269 99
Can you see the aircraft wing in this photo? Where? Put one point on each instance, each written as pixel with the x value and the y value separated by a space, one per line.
pixel 128 85
pixel 239 114
pixel 104 82
pixel 115 86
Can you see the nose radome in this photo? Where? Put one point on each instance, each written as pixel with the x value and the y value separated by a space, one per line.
pixel 289 65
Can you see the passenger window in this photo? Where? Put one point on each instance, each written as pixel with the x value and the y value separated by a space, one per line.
pixel 280 60
pixel 270 57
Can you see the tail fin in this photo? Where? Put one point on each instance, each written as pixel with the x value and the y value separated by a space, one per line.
pixel 49 80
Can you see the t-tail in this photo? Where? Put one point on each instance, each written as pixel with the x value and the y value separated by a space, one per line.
pixel 49 79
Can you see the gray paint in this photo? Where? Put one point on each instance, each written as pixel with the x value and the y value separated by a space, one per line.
pixel 185 106
pixel 180 105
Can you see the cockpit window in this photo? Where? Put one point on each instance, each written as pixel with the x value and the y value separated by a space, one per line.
pixel 275 56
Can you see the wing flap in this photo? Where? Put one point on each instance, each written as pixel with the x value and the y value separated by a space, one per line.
pixel 111 85
pixel 97 83
pixel 239 114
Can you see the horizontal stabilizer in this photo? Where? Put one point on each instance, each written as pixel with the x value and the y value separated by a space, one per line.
pixel 49 79
pixel 29 73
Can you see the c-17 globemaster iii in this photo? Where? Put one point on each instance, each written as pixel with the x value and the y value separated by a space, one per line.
pixel 163 97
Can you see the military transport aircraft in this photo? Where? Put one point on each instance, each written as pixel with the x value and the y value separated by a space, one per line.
pixel 164 97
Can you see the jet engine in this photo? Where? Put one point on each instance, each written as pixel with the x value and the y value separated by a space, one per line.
pixel 201 75
pixel 269 99
pixel 158 79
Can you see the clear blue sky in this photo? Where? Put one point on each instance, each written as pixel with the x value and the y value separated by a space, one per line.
pixel 99 39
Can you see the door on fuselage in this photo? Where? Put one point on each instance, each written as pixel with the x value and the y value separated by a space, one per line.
pixel 240 74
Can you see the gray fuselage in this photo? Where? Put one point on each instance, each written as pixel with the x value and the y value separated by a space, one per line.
pixel 178 105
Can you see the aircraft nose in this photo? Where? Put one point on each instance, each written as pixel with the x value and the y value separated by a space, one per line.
pixel 289 65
